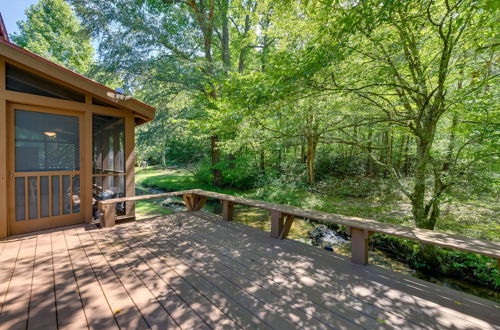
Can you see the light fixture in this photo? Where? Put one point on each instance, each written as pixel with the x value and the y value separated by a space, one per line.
pixel 50 134
pixel 119 94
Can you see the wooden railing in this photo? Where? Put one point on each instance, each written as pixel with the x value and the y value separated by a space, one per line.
pixel 282 217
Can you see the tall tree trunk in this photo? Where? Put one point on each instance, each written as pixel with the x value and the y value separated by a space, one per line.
pixel 245 48
pixel 226 52
pixel 262 161
pixel 451 143
pixel 425 215
pixel 369 162
pixel 312 144
pixel 214 153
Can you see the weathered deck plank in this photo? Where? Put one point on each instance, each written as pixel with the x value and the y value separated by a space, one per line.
pixel 8 261
pixel 181 312
pixel 98 313
pixel 195 271
pixel 211 314
pixel 42 311
pixel 352 280
pixel 152 311
pixel 70 312
pixel 321 271
pixel 219 298
pixel 261 305
pixel 126 313
pixel 14 313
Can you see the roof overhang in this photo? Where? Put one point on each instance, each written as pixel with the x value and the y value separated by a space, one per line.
pixel 20 55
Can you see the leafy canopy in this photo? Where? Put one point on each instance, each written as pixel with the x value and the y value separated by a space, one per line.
pixel 52 30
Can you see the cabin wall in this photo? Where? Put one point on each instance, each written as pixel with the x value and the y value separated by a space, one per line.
pixel 87 110
pixel 3 153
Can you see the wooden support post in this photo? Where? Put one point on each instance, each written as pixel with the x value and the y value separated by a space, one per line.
pixel 227 214
pixel 359 245
pixel 187 202
pixel 287 226
pixel 108 215
pixel 199 202
pixel 194 202
pixel 276 223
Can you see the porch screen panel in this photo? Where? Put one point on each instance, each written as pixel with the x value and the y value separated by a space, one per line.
pixel 33 197
pixel 46 142
pixel 76 193
pixel 44 197
pixel 67 194
pixel 108 160
pixel 56 195
pixel 20 199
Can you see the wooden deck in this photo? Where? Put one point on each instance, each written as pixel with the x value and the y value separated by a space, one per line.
pixel 193 270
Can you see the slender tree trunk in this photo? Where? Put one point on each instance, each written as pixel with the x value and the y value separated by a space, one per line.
pixel 214 150
pixel 262 161
pixel 312 144
pixel 451 143
pixel 369 163
pixel 245 48
pixel 226 52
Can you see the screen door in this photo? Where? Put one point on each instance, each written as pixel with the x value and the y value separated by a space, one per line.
pixel 45 168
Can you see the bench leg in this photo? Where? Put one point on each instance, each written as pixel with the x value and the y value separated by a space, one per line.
pixel 227 214
pixel 108 215
pixel 194 202
pixel 359 246
pixel 276 223
pixel 287 226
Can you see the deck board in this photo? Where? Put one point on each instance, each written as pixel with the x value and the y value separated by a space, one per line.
pixel 70 312
pixel 152 311
pixel 379 292
pixel 14 313
pixel 8 261
pixel 42 311
pixel 192 270
pixel 259 306
pixel 96 307
pixel 126 312
pixel 179 310
pixel 321 271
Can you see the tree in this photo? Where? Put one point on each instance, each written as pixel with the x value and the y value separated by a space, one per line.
pixel 399 63
pixel 52 30
pixel 186 45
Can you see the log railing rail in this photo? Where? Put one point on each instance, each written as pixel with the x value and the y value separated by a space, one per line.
pixel 282 217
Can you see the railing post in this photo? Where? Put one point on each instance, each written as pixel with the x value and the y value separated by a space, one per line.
pixel 227 214
pixel 276 223
pixel 108 215
pixel 359 245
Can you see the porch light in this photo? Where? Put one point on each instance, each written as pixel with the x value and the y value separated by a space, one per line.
pixel 50 134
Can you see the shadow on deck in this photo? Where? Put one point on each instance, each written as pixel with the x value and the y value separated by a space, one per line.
pixel 193 270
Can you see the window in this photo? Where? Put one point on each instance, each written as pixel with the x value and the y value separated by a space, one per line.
pixel 19 80
pixel 46 142
pixel 102 103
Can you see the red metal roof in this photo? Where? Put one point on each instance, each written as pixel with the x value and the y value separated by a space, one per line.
pixel 3 31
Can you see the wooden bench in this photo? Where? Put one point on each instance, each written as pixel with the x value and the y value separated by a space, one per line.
pixel 282 217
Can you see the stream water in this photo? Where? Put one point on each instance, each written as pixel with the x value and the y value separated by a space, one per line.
pixel 259 218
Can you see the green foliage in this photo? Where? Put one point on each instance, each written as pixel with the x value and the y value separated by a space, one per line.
pixel 240 173
pixel 451 263
pixel 52 30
